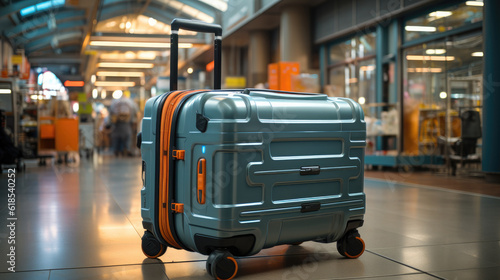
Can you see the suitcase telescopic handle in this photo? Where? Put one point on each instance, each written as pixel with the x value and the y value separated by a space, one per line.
pixel 198 26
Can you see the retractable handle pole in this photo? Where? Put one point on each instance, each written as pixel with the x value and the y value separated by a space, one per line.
pixel 198 26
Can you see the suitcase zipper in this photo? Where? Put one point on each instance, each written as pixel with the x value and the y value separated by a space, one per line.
pixel 166 169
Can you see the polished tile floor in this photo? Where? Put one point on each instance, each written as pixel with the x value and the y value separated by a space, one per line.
pixel 84 223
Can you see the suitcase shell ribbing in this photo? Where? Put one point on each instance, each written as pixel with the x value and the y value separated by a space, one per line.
pixel 256 145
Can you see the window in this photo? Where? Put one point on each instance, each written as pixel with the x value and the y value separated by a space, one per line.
pixel 441 79
pixel 443 20
pixel 352 68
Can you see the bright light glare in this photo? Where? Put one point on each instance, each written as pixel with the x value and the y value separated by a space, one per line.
pixel 420 28
pixel 435 51
pixel 125 65
pixel 440 14
pixel 361 100
pixel 152 21
pixel 477 54
pixel 76 107
pixel 117 94
pixel 119 74
pixel 94 93
pixel 114 84
pixel 443 95
pixel 138 44
pixel 430 57
pixel 474 3
pixel 190 70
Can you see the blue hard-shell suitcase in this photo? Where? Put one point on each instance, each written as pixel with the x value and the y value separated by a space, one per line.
pixel 231 172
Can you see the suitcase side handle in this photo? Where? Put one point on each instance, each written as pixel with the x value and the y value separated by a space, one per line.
pixel 198 26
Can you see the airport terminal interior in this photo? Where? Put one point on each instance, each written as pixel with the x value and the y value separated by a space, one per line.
pixel 75 81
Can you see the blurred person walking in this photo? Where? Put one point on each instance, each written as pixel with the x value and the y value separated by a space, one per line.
pixel 123 114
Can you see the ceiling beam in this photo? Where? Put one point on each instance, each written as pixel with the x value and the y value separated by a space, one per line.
pixel 16 7
pixel 41 21
pixel 56 59
pixel 40 43
pixel 92 22
pixel 44 31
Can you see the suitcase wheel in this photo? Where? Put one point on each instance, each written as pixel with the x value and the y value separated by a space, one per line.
pixel 151 247
pixel 351 245
pixel 221 265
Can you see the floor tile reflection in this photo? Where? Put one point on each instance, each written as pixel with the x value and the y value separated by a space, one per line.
pixel 84 223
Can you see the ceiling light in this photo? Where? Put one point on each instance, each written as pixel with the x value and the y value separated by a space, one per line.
pixel 41 7
pixel 420 28
pixel 152 21
pixel 130 55
pixel 93 79
pixel 138 44
pixel 114 84
pixel 474 3
pixel 430 57
pixel 190 70
pixel 353 80
pixel 103 94
pixel 151 55
pixel 128 24
pixel 367 68
pixel 76 107
pixel 443 95
pixel 361 100
pixel 425 70
pixel 117 94
pixel 111 24
pixel 119 74
pixel 5 91
pixel 95 93
pixel 477 54
pixel 440 14
pixel 435 51
pixel 125 65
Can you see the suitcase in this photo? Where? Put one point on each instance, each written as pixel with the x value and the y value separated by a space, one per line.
pixel 230 172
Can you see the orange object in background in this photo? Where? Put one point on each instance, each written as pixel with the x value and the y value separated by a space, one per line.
pixel 67 135
pixel 47 131
pixel 280 75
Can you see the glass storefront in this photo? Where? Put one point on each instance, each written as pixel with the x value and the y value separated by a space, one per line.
pixel 352 68
pixel 443 20
pixel 441 78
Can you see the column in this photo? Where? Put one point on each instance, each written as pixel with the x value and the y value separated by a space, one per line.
pixel 491 91
pixel 259 57
pixel 295 36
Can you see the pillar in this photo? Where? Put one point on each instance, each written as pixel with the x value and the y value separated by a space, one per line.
pixel 259 57
pixel 491 91
pixel 295 36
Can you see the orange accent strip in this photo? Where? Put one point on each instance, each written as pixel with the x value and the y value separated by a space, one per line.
pixel 362 251
pixel 235 271
pixel 178 207
pixel 202 180
pixel 178 154
pixel 167 114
